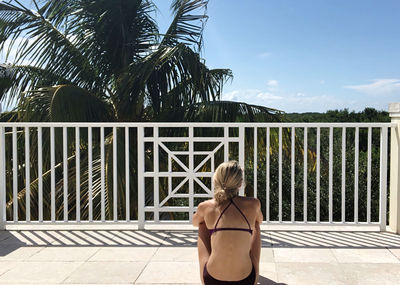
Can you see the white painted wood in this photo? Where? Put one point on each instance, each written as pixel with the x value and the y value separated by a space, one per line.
pixel 241 155
pixel 15 174
pixel 189 171
pixel 394 203
pixel 3 216
pixel 292 177
pixel 305 173
pixel 141 169
pixel 318 176
pixel 170 171
pixel 65 173
pixel 255 137
pixel 90 173
pixel 197 125
pixel 27 175
pixel 156 186
pixel 343 174
pixel 268 175
pixel 78 174
pixel 280 176
pixel 115 189
pixel 226 145
pixel 127 185
pixel 383 177
pixel 357 145
pixel 191 177
pixel 369 158
pixel 40 174
pixel 331 174
pixel 102 176
pixel 53 175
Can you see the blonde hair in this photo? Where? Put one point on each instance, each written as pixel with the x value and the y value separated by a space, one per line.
pixel 227 179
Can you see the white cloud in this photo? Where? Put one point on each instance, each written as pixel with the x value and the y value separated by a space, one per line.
pixel 231 96
pixel 291 102
pixel 378 87
pixel 268 96
pixel 273 83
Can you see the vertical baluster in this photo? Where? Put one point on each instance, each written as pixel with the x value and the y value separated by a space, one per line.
pixel 115 189
pixel 318 176
pixel 343 174
pixel 241 154
pixel 40 174
pixel 15 174
pixel 292 180
pixel 383 177
pixel 169 176
pixel 156 185
pixel 53 177
pixel 280 174
pixel 330 174
pixel 305 171
pixel 356 175
pixel 191 167
pixel 369 176
pixel 267 174
pixel 102 175
pixel 65 172
pixel 255 161
pixel 27 176
pixel 226 143
pixel 90 172
pixel 78 174
pixel 3 216
pixel 140 159
pixel 127 197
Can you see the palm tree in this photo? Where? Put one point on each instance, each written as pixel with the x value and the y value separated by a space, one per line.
pixel 107 61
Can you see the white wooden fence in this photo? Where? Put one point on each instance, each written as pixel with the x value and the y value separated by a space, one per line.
pixel 154 173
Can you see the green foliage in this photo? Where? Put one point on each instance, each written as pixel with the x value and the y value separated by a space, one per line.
pixel 103 61
pixel 368 115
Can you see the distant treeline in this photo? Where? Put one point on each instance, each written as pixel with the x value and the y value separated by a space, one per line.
pixel 367 115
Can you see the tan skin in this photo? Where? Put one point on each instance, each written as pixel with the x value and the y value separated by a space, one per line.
pixel 233 252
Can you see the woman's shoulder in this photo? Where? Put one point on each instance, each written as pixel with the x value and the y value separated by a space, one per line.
pixel 249 199
pixel 211 203
pixel 250 202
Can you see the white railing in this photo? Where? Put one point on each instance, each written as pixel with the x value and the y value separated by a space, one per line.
pixel 151 173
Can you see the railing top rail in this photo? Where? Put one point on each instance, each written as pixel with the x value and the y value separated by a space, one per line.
pixel 194 124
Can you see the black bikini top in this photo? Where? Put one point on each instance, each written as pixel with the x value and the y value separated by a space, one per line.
pixel 215 229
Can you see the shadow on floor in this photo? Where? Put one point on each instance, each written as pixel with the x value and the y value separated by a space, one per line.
pixel 11 240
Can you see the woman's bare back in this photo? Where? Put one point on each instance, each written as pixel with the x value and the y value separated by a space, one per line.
pixel 230 250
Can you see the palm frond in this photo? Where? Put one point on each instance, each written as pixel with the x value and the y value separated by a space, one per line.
pixel 124 31
pixel 36 38
pixel 187 27
pixel 171 77
pixel 228 111
pixel 26 77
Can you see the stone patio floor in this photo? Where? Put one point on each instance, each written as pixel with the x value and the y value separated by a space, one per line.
pixel 170 257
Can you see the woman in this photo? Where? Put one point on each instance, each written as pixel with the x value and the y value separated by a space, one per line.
pixel 229 241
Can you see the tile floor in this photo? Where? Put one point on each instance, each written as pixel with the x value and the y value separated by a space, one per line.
pixel 170 257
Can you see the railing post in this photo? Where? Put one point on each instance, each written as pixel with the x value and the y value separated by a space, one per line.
pixel 394 206
pixel 2 179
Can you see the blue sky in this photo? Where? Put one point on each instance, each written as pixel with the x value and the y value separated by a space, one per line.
pixel 305 55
